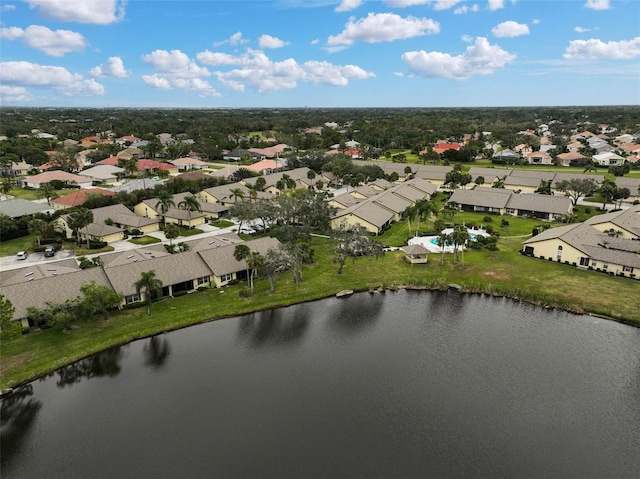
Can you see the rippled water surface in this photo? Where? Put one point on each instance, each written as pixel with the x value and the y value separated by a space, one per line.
pixel 407 384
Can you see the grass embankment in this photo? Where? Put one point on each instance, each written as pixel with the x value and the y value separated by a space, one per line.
pixel 502 272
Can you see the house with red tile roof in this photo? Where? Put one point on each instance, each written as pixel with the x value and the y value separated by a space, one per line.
pixel 440 148
pixel 266 167
pixel 78 198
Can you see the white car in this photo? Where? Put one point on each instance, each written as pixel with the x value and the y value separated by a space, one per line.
pixel 22 255
pixel 245 230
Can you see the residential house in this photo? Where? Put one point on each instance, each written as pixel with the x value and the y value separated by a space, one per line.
pixel 266 167
pixel 539 158
pixel 503 201
pixel 371 216
pixel 17 169
pixel 505 156
pixel 223 265
pixel 188 163
pixel 18 208
pixel 608 159
pixel 236 155
pixel 78 198
pixel 587 245
pixel 573 158
pixel 106 173
pixel 48 176
pixel 632 184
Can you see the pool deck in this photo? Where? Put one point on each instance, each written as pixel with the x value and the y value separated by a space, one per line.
pixel 428 241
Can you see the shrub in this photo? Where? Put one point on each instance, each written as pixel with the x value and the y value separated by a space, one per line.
pixel 487 219
pixel 504 222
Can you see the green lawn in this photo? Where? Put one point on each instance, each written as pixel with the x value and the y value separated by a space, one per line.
pixel 12 246
pixel 145 240
pixel 190 231
pixel 222 223
pixel 31 194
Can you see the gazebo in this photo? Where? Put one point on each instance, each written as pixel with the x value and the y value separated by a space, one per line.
pixel 415 253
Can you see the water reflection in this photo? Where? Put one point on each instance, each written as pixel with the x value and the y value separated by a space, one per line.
pixel 106 363
pixel 156 351
pixel 17 413
pixel 274 327
pixel 357 313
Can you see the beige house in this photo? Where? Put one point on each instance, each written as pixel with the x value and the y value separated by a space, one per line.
pixel 101 232
pixel 371 216
pixel 587 246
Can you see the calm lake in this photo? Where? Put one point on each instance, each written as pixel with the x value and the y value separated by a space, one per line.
pixel 405 384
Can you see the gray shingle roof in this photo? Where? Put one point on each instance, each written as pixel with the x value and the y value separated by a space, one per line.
pixel 19 207
pixel 221 260
pixel 37 293
pixel 38 271
pixel 369 212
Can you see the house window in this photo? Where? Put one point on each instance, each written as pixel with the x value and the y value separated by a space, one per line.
pixel 203 280
pixel 627 269
pixel 226 277
pixel 605 266
pixel 593 264
pixel 132 298
pixel 584 261
pixel 559 254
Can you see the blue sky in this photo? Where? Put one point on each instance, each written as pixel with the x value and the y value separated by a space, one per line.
pixel 319 53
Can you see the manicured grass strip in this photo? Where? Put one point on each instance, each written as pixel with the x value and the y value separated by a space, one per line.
pixel 145 240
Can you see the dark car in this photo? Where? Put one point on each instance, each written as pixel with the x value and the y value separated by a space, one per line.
pixel 49 252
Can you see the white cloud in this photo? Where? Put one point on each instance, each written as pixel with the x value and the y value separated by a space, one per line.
pixel 101 12
pixel 113 68
pixel 235 39
pixel 581 30
pixel 175 69
pixel 325 73
pixel 7 8
pixel 467 38
pixel 11 33
pixel 535 21
pixel 216 58
pixel 597 4
pixel 595 49
pixel 267 41
pixel 348 5
pixel 256 71
pixel 466 9
pixel 405 3
pixel 510 29
pixel 315 41
pixel 482 58
pixel 26 74
pixel 55 43
pixel 13 94
pixel 445 4
pixel 383 27
pixel 496 4
pixel 175 63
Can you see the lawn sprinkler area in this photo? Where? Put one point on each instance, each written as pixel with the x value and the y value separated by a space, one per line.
pixel 431 242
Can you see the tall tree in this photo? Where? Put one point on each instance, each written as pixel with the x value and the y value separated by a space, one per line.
pixel 38 228
pixel 8 328
pixel 236 193
pixel 80 218
pixel 150 285
pixel 47 191
pixel 6 185
pixel 255 261
pixel 443 240
pixel 171 232
pixel 99 299
pixel 190 203
pixel 460 236
pixel 241 253
pixel 275 262
pixel 352 242
pixel 165 201
pixel 576 188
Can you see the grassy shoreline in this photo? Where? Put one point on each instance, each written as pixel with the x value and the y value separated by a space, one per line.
pixel 497 273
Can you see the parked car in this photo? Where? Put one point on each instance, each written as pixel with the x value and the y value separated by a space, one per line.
pixel 22 255
pixel 246 230
pixel 49 252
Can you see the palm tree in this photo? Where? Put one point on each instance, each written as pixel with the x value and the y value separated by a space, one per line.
pixel 6 185
pixel 459 236
pixel 171 231
pixel 253 192
pixel 79 219
pixel 254 262
pixel 150 285
pixel 191 204
pixel 285 182
pixel 165 201
pixel 47 191
pixel 443 240
pixel 236 193
pixel 241 252
pixel 131 166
